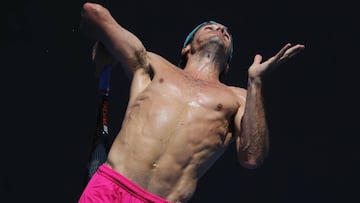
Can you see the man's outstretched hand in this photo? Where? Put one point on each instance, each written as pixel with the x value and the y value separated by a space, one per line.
pixel 258 69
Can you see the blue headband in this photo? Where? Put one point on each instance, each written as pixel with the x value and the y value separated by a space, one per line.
pixel 190 36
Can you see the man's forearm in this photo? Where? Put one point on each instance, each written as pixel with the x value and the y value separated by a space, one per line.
pixel 254 129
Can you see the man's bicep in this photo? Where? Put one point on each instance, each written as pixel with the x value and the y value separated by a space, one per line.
pixel 240 139
pixel 122 44
pixel 238 118
pixel 126 48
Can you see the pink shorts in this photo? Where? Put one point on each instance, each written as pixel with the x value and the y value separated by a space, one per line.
pixel 109 186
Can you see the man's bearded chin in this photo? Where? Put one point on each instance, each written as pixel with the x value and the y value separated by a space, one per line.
pixel 216 50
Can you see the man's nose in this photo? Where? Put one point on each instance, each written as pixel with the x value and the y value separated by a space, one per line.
pixel 220 28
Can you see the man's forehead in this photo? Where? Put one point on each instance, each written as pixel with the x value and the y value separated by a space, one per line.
pixel 192 33
pixel 214 23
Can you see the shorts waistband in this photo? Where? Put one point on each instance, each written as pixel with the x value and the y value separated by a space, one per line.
pixel 128 185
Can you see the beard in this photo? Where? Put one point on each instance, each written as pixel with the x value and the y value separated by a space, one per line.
pixel 214 48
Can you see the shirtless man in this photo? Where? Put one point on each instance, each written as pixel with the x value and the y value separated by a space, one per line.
pixel 178 121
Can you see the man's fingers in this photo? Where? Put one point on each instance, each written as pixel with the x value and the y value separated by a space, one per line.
pixel 292 51
pixel 281 53
pixel 295 49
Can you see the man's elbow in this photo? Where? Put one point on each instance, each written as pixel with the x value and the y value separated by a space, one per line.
pixel 91 10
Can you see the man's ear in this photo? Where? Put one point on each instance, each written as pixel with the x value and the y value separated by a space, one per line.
pixel 185 50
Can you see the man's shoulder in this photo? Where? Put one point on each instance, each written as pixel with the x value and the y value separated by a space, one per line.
pixel 159 62
pixel 238 91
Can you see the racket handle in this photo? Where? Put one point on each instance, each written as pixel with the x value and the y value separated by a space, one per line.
pixel 101 142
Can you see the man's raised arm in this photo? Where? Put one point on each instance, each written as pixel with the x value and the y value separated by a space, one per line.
pixel 121 43
pixel 253 142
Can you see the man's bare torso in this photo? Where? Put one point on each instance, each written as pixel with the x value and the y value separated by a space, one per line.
pixel 173 131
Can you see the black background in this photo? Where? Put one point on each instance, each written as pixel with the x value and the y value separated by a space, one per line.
pixel 50 103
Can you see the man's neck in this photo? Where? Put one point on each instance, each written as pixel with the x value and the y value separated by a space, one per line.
pixel 203 68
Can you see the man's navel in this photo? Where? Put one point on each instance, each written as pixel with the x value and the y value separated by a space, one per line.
pixel 219 107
